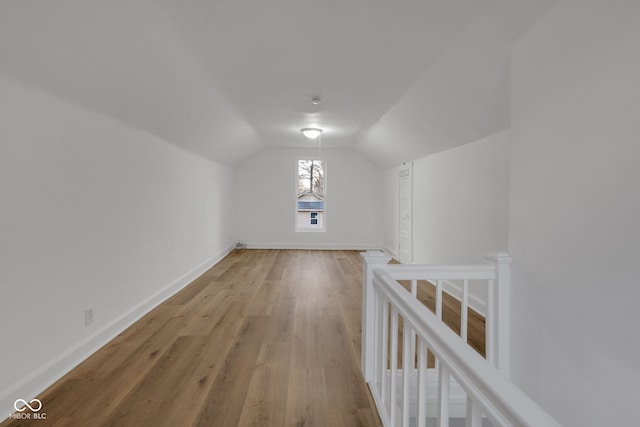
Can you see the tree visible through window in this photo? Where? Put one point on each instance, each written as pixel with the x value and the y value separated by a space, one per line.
pixel 310 177
pixel 310 198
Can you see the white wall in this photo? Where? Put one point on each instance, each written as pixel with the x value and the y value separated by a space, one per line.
pixel 460 206
pixel 93 213
pixel 265 201
pixel 575 212
pixel 461 202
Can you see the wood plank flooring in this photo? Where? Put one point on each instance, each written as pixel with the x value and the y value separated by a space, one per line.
pixel 264 338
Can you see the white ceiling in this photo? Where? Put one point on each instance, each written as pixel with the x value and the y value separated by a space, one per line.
pixel 398 79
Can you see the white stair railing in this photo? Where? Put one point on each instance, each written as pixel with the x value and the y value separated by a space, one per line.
pixel 463 384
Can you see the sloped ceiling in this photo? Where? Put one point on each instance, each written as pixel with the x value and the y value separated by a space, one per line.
pixel 223 78
pixel 464 94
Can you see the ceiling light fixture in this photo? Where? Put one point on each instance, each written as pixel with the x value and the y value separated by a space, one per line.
pixel 316 100
pixel 311 133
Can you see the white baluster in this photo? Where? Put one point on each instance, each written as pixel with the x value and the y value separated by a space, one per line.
pixel 378 340
pixel 443 396
pixel 371 260
pixel 422 382
pixel 489 325
pixel 500 313
pixel 385 349
pixel 407 367
pixel 438 306
pixel 414 292
pixel 439 299
pixel 489 393
pixel 474 416
pixel 394 365
pixel 464 309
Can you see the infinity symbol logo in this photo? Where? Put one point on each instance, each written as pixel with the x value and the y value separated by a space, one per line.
pixel 24 404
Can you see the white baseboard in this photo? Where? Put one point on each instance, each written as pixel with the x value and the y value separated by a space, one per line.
pixel 43 377
pixel 389 251
pixel 314 246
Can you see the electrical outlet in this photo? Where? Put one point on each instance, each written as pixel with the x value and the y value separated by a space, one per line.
pixel 88 316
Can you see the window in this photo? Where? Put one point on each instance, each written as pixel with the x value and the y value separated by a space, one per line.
pixel 310 195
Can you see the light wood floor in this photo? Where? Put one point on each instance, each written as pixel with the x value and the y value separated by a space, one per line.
pixel 265 337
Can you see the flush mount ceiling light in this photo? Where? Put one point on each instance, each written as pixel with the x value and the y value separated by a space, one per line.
pixel 311 133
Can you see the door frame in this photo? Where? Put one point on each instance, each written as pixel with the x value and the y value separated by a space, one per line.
pixel 405 213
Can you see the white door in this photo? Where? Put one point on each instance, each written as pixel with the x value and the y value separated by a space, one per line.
pixel 405 231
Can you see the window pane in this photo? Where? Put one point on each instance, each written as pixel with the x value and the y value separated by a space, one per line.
pixel 310 203
pixel 310 177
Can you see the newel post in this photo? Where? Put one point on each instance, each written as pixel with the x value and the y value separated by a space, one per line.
pixel 501 311
pixel 370 260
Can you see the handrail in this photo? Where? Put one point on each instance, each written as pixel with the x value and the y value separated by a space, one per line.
pixel 499 399
pixel 441 272
pixel 495 275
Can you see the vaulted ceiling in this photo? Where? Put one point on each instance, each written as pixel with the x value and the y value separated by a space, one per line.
pixel 398 79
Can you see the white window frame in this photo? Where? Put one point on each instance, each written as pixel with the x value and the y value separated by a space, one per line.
pixel 311 228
